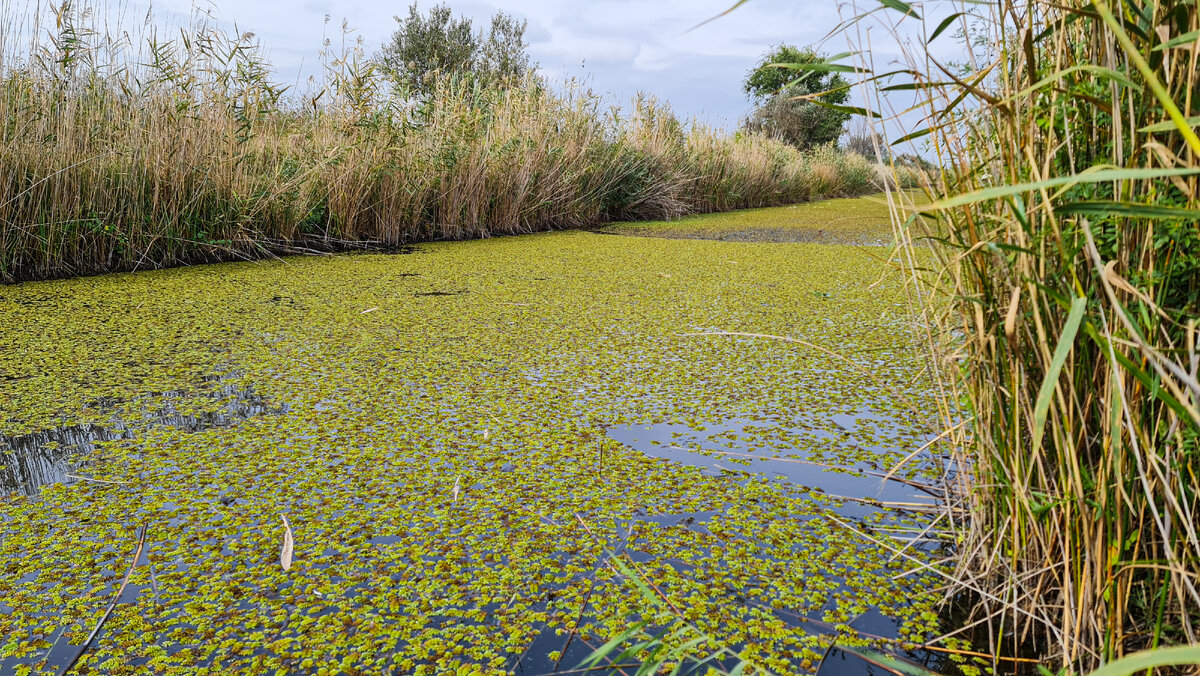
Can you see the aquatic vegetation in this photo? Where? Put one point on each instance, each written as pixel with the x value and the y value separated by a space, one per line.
pixel 832 221
pixel 444 469
pixel 30 460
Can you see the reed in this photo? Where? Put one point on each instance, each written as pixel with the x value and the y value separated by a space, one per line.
pixel 1063 310
pixel 176 148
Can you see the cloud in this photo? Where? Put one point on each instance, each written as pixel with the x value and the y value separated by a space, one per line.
pixel 617 46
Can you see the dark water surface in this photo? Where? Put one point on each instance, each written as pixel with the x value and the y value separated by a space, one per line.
pixel 723 450
pixel 61 455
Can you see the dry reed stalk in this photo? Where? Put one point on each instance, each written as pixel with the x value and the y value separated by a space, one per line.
pixel 1062 307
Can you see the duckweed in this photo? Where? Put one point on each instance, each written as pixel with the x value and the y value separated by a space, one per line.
pixel 862 220
pixel 436 428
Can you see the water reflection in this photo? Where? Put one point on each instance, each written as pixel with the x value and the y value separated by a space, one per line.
pixel 30 461
pixel 841 459
pixel 847 459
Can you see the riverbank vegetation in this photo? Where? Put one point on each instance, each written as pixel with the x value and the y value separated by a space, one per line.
pixel 863 220
pixel 1065 226
pixel 124 154
pixel 1070 204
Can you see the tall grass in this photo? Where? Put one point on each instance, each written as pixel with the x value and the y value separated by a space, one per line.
pixel 177 147
pixel 1067 224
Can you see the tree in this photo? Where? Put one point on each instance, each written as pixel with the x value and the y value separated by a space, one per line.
pixel 436 44
pixel 862 140
pixel 503 55
pixel 780 113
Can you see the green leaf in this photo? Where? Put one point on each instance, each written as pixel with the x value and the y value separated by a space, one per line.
pixel 1065 341
pixel 1169 125
pixel 943 26
pixel 1138 372
pixel 1101 71
pixel 1094 175
pixel 914 85
pixel 1042 504
pixel 848 85
pixel 915 135
pixel 842 55
pixel 1148 659
pixel 819 66
pixel 901 7
pixel 637 580
pixel 853 110
pixel 1128 209
pixel 603 651
pixel 888 662
pixel 1179 41
pixel 1018 207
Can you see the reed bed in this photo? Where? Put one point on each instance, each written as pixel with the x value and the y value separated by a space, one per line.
pixel 1063 309
pixel 127 153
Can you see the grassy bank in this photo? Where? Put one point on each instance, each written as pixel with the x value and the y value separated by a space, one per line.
pixel 1070 203
pixel 158 152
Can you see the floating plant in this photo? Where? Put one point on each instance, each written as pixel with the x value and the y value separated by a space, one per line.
pixel 445 477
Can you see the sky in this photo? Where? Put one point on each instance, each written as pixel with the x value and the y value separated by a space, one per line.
pixel 617 47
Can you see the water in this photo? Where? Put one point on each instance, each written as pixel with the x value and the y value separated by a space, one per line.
pixel 745 449
pixel 510 388
pixel 61 455
pixel 740 449
pixel 708 450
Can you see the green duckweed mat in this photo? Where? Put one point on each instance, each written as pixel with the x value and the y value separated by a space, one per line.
pixel 434 426
pixel 860 220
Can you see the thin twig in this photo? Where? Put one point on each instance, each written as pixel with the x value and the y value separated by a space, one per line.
pixel 99 481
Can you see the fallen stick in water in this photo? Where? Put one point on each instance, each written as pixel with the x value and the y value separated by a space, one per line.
pixel 137 554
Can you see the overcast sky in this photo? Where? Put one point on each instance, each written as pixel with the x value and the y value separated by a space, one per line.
pixel 619 47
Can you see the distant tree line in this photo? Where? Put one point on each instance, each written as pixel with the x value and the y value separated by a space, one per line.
pixel 436 44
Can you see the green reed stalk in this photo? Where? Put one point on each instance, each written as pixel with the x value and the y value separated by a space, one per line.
pixel 1067 226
